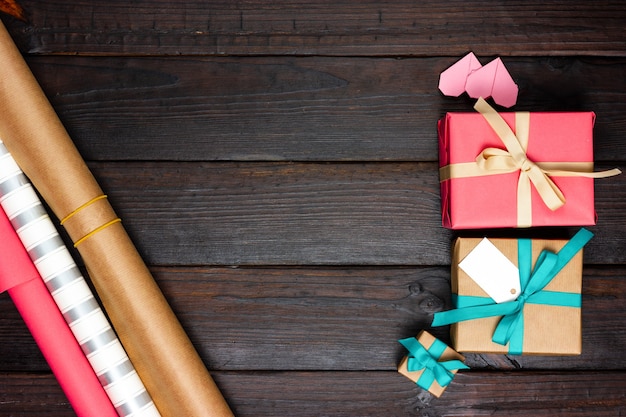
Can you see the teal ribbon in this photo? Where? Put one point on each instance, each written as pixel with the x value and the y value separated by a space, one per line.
pixel 510 328
pixel 420 358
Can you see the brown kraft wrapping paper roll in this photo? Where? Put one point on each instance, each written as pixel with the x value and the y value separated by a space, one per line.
pixel 156 343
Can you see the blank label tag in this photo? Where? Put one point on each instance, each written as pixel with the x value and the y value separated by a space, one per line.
pixel 492 271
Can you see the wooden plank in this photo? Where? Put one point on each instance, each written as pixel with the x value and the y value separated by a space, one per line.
pixel 371 394
pixel 342 319
pixel 350 319
pixel 26 395
pixel 18 350
pixel 388 393
pixel 298 27
pixel 300 109
pixel 310 214
pixel 266 214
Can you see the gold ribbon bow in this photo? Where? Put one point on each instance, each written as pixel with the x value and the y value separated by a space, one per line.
pixel 499 161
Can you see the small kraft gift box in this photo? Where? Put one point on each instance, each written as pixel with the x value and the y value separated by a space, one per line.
pixel 430 363
pixel 516 296
pixel 517 169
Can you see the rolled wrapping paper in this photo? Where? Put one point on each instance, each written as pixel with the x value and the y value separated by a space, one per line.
pixel 20 278
pixel 156 343
pixel 71 293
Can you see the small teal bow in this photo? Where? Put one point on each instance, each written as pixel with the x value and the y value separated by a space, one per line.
pixel 427 359
pixel 511 326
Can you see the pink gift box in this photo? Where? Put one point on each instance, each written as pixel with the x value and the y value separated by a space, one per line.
pixel 490 200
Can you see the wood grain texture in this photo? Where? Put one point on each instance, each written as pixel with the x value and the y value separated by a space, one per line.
pixel 388 393
pixel 340 319
pixel 310 214
pixel 30 394
pixel 276 164
pixel 343 28
pixel 301 109
pixel 380 393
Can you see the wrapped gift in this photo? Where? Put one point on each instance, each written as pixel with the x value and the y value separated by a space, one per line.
pixel 537 313
pixel 517 169
pixel 430 363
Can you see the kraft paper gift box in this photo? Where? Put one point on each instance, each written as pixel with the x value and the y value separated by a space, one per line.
pixel 430 363
pixel 544 319
pixel 517 169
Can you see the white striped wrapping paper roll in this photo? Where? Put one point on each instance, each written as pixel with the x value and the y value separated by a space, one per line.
pixel 71 292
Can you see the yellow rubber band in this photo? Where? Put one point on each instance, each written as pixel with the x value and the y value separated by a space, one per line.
pixel 88 203
pixel 96 230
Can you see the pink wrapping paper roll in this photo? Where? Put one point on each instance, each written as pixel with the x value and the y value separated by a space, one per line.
pixel 77 379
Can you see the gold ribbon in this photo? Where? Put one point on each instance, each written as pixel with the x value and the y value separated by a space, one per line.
pixel 492 161
pixel 88 219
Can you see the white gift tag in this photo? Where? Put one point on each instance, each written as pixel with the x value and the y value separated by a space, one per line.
pixel 492 271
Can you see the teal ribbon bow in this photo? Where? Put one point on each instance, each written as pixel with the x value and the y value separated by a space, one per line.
pixel 427 359
pixel 510 328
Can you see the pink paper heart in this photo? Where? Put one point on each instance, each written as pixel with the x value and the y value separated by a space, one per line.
pixel 504 88
pixel 452 81
pixel 493 80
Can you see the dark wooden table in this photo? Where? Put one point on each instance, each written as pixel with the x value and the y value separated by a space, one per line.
pixel 275 163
